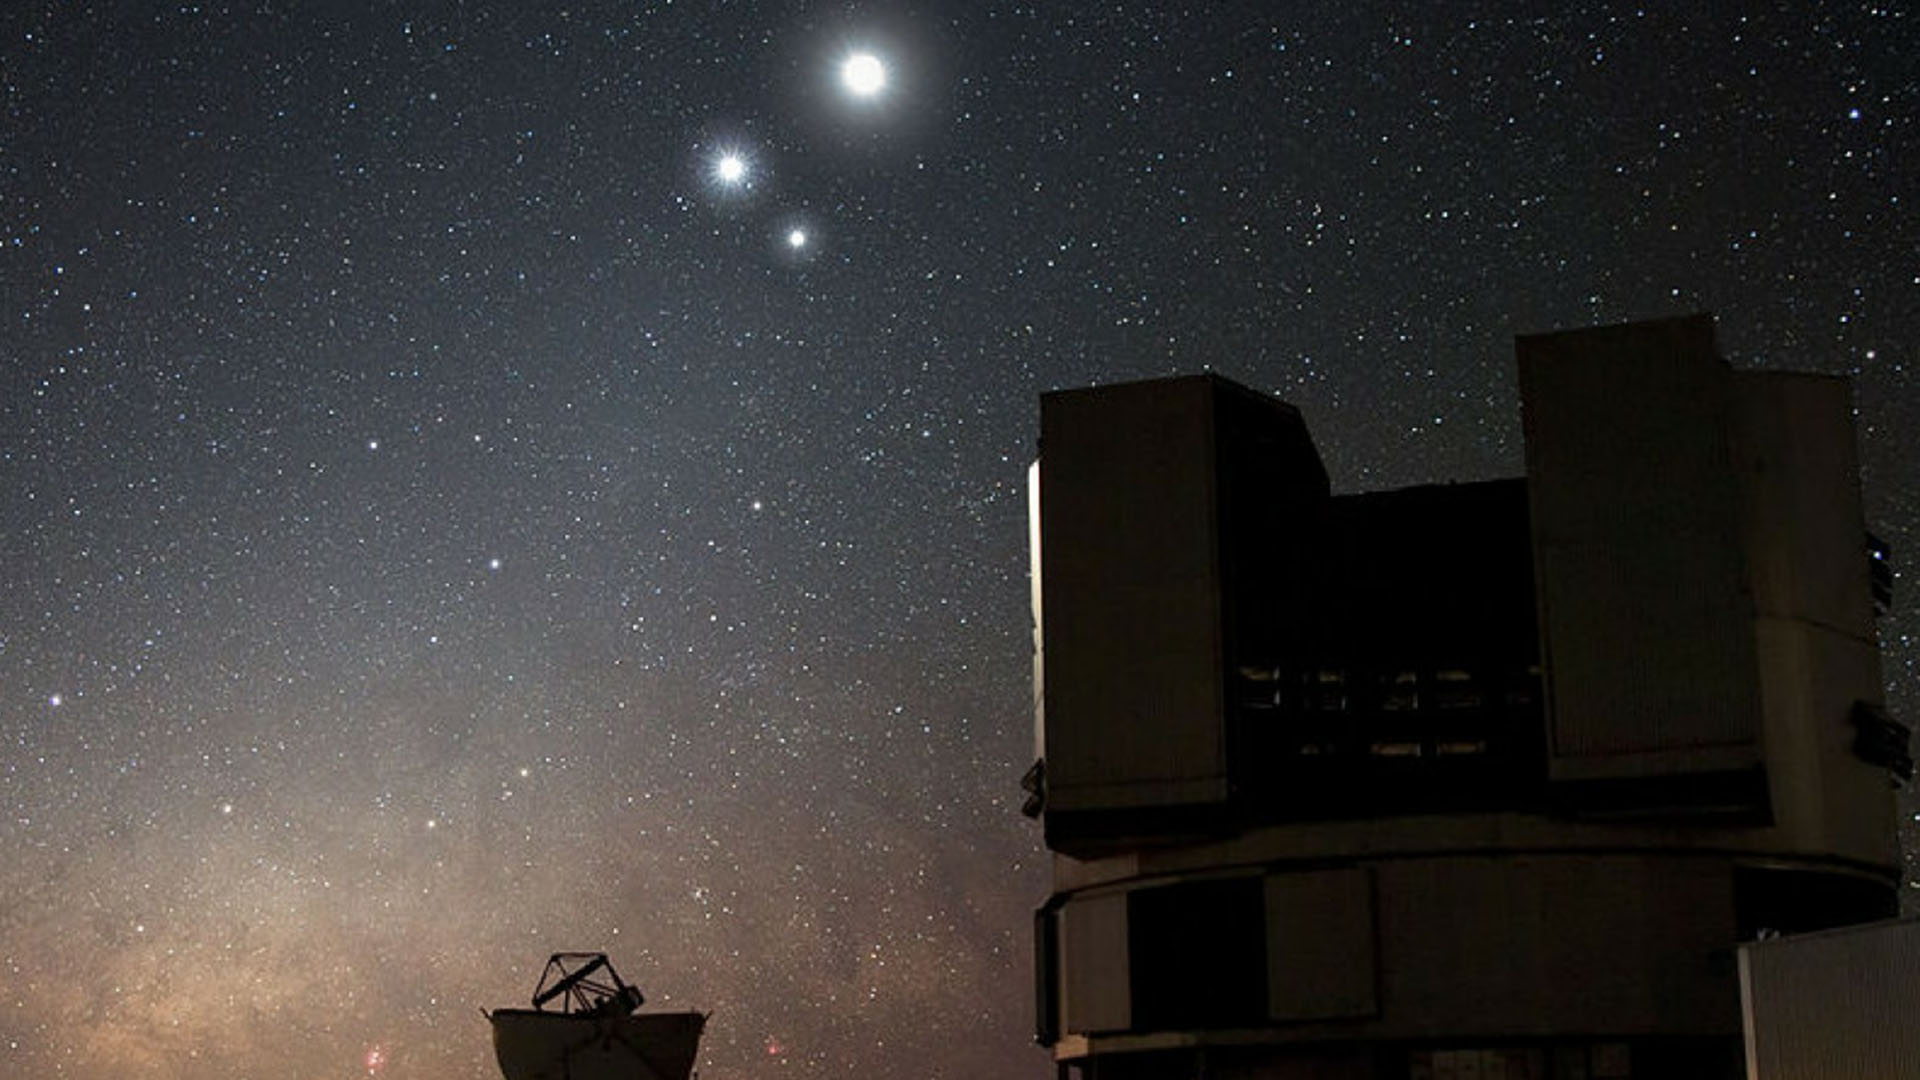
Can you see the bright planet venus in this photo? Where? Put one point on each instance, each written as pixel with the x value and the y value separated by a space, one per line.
pixel 863 74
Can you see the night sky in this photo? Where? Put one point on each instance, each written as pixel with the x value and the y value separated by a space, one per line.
pixel 483 479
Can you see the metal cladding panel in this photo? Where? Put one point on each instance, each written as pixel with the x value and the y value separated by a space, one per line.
pixel 1794 448
pixel 1836 1004
pixel 1827 799
pixel 1646 618
pixel 1094 965
pixel 1322 960
pixel 1131 595
pixel 1170 528
pixel 1796 455
pixel 1554 943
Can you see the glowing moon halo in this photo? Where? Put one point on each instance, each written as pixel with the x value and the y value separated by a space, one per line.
pixel 863 75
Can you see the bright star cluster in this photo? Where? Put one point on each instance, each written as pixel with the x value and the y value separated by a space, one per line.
pixel 482 482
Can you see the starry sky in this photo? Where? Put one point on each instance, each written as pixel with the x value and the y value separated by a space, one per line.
pixel 479 479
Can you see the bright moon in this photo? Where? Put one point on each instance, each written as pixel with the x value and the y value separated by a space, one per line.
pixel 864 74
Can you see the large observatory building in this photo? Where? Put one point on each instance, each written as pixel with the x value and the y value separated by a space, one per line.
pixel 1477 780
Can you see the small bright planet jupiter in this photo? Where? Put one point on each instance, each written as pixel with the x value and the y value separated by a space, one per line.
pixel 863 75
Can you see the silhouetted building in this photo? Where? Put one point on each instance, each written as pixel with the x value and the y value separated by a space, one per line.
pixel 1464 781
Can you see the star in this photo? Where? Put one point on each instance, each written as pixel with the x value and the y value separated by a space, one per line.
pixel 863 75
pixel 731 169
pixel 796 239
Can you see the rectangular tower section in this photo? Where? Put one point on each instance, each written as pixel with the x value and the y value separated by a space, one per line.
pixel 1164 505
pixel 1646 615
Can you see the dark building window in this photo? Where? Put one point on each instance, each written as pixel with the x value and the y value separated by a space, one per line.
pixel 1399 671
pixel 1452 735
pixel 1778 900
pixel 1198 955
pixel 1046 972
